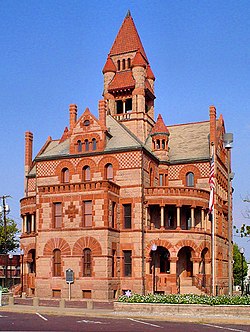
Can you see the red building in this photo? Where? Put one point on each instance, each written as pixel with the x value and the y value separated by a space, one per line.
pixel 123 200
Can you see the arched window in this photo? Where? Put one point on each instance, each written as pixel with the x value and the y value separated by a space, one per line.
pixel 123 64
pixel 129 63
pixel 65 175
pixel 190 179
pixel 86 173
pixel 163 144
pixel 109 172
pixel 157 144
pixel 57 263
pixel 118 65
pixel 94 145
pixel 86 145
pixel 151 177
pixel 87 262
pixel 79 146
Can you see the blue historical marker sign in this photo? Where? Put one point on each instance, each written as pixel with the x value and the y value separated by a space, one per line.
pixel 69 276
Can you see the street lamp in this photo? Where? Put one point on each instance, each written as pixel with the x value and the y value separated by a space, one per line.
pixel 228 144
pixel 242 250
pixel 5 210
pixel 22 254
pixel 153 248
pixel 10 264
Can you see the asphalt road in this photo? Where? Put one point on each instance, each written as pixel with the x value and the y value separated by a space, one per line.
pixel 10 321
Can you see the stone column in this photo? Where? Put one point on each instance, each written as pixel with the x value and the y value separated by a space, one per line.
pixel 32 223
pixel 173 265
pixel 192 217
pixel 202 219
pixel 178 217
pixel 162 217
pixel 25 224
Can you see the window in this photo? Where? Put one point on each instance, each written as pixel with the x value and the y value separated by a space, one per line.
pixel 127 255
pixel 65 175
pixel 151 177
pixel 94 145
pixel 79 146
pixel 86 145
pixel 28 223
pixel 161 178
pixel 57 263
pixel 123 64
pixel 190 179
pixel 113 266
pixel 119 107
pixel 57 215
pixel 128 105
pixel 113 212
pixel 87 213
pixel 109 172
pixel 118 65
pixel 163 145
pixel 86 173
pixel 127 215
pixel 129 63
pixel 86 123
pixel 157 144
pixel 87 262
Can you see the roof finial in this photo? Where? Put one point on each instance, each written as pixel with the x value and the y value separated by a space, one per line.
pixel 128 14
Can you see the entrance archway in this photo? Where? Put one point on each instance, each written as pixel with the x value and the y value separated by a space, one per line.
pixel 185 265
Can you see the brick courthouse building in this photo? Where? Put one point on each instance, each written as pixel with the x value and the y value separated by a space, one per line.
pixel 122 200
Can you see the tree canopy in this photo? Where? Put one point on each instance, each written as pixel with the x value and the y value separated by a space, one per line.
pixel 12 242
pixel 244 230
pixel 237 267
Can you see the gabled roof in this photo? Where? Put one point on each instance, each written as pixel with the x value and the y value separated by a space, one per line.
pixel 127 39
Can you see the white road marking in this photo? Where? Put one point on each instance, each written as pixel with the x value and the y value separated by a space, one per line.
pixel 140 321
pixel 90 321
pixel 41 316
pixel 224 328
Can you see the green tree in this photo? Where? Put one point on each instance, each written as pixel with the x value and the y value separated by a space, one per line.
pixel 12 242
pixel 244 230
pixel 237 267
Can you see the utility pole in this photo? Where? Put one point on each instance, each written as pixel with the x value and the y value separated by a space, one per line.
pixel 5 209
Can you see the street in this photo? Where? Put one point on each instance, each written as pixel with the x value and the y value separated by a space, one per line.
pixel 10 321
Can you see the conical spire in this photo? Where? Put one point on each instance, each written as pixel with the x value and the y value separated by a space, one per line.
pixel 160 126
pixel 127 39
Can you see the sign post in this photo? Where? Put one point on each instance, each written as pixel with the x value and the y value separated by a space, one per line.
pixel 69 279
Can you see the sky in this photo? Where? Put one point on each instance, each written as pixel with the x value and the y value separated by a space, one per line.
pixel 53 52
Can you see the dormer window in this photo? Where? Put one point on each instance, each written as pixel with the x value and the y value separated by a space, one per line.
pixel 190 179
pixel 79 146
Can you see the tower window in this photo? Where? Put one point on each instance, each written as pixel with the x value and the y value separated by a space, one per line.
pixel 94 144
pixel 157 144
pixel 118 65
pixel 127 215
pixel 128 105
pixel 86 145
pixel 190 179
pixel 163 144
pixel 119 107
pixel 123 64
pixel 79 146
pixel 129 63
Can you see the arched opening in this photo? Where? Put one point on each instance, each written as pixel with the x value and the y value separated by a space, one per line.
pixel 185 265
pixel 87 260
pixel 190 179
pixel 123 64
pixel 65 175
pixel 57 264
pixel 129 63
pixel 79 146
pixel 86 173
pixel 31 261
pixel 86 145
pixel 94 145
pixel 109 172
pixel 118 65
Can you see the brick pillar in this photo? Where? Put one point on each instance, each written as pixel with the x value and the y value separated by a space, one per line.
pixel 72 115
pixel 28 151
pixel 102 109
pixel 212 113
pixel 162 217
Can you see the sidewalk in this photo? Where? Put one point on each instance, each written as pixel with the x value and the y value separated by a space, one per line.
pixel 106 310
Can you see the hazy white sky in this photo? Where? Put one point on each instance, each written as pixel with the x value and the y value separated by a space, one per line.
pixel 53 52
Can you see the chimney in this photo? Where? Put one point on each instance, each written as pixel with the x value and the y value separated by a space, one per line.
pixel 102 108
pixel 212 113
pixel 28 151
pixel 72 115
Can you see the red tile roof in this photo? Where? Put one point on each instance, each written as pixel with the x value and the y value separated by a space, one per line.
pixel 122 80
pixel 127 39
pixel 139 60
pixel 109 66
pixel 150 74
pixel 159 126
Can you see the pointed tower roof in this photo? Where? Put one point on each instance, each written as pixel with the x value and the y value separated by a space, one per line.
pixel 127 39
pixel 160 126
pixel 109 66
pixel 150 73
pixel 139 60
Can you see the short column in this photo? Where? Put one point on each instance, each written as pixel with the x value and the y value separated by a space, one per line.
pixel 162 217
pixel 178 217
pixel 192 217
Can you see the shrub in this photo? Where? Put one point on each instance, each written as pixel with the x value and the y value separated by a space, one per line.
pixel 186 299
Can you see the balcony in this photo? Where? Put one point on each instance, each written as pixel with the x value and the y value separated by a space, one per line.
pixel 80 187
